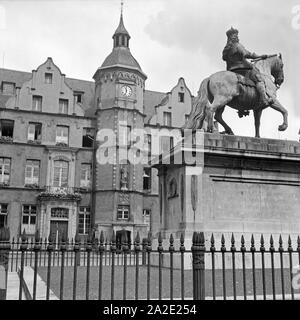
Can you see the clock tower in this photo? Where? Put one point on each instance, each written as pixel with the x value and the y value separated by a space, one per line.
pixel 119 96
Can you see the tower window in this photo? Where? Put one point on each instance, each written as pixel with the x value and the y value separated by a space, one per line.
pixel 48 78
pixel 85 178
pixel 37 103
pixel 147 179
pixel 88 136
pixel 181 97
pixel 6 128
pixel 123 213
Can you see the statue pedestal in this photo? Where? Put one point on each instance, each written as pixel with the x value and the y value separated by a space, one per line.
pixel 239 185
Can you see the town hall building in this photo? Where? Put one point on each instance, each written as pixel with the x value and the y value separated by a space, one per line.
pixel 50 179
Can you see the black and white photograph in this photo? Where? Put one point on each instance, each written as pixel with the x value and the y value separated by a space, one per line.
pixel 150 151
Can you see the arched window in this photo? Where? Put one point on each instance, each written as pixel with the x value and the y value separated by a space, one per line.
pixel 61 173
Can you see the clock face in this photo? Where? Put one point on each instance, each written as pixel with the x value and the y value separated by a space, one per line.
pixel 126 91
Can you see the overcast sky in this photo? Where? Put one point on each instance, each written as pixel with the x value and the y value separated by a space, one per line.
pixel 169 38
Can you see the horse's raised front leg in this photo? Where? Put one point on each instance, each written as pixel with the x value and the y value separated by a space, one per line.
pixel 219 118
pixel 277 106
pixel 257 116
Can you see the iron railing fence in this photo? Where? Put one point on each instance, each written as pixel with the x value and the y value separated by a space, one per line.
pixel 153 268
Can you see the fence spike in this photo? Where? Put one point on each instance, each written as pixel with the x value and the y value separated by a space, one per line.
pixel 171 239
pixel 212 240
pixel 280 241
pixel 159 239
pixel 290 248
pixel 194 239
pixel 101 237
pixel 271 241
pixel 223 248
pixel 23 237
pixel 201 238
pixel 232 240
pixel 149 239
pixel 262 240
pixel 37 235
pixel 182 239
pixel 298 242
pixel 113 238
pixel 252 240
pixel 137 238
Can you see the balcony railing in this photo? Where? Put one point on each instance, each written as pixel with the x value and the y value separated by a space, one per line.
pixel 63 193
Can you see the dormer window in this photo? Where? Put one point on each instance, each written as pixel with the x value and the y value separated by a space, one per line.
pixel 78 97
pixel 48 78
pixel 8 88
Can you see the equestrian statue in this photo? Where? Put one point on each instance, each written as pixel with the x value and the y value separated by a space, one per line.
pixel 246 85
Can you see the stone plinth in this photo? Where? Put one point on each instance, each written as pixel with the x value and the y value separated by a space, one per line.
pixel 239 185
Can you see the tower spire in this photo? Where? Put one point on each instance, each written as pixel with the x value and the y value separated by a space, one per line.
pixel 121 36
pixel 122 5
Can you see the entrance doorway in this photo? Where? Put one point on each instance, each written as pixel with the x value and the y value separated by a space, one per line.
pixel 120 237
pixel 58 228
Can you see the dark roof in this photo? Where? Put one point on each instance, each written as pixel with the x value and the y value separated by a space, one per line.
pixel 151 100
pixel 19 77
pixel 121 28
pixel 121 56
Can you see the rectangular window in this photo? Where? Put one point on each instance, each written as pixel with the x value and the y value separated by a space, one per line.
pixel 48 78
pixel 88 137
pixel 3 214
pixel 62 135
pixel 6 128
pixel 85 177
pixel 60 213
pixel 181 97
pixel 5 170
pixel 63 106
pixel 84 220
pixel 32 172
pixel 124 135
pixel 8 88
pixel 61 174
pixel 147 179
pixel 28 218
pixel 78 97
pixel 37 103
pixel 34 132
pixel 166 144
pixel 123 213
pixel 146 213
pixel 167 119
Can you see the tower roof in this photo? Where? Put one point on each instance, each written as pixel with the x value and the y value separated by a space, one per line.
pixel 121 28
pixel 121 56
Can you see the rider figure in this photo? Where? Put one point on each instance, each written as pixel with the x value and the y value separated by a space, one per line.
pixel 235 56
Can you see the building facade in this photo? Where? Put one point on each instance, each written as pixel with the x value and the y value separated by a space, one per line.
pixel 51 179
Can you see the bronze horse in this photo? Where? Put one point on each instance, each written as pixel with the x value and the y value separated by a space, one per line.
pixel 234 90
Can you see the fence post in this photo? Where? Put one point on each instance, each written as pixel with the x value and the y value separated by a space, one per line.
pixel 198 252
pixel 144 246
pixel 4 256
